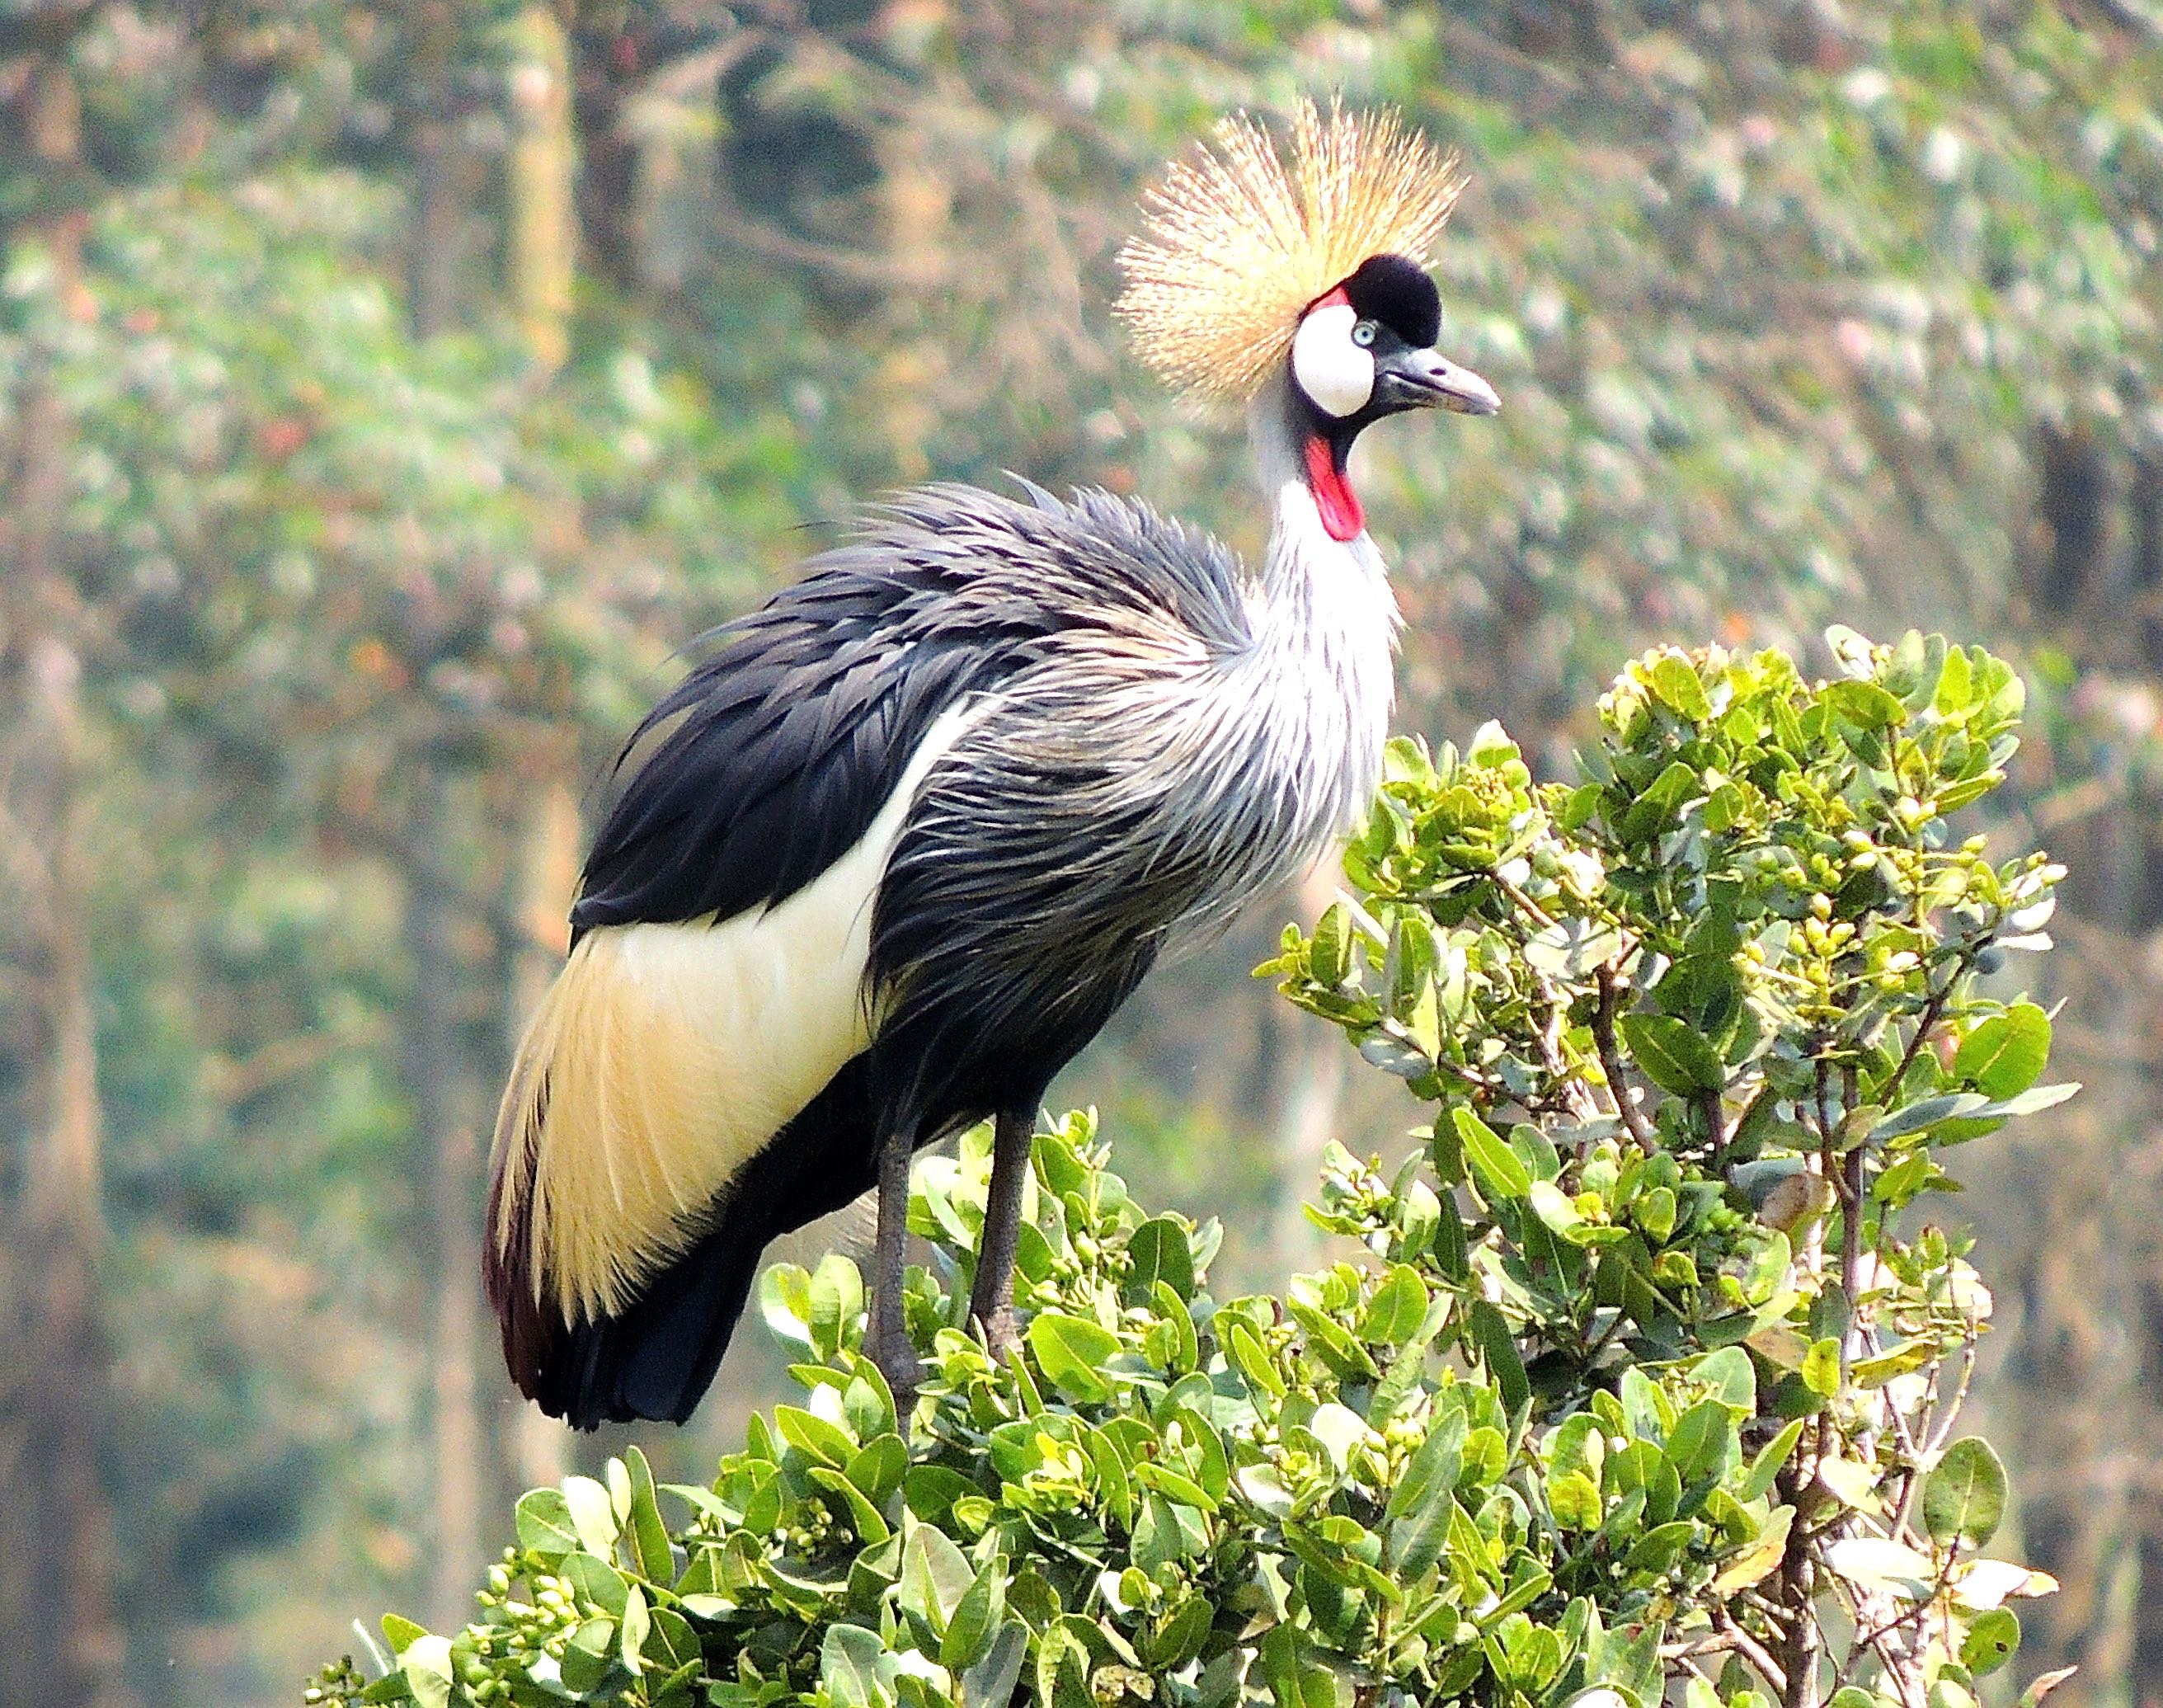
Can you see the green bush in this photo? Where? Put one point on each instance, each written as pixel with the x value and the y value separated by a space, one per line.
pixel 1638 1370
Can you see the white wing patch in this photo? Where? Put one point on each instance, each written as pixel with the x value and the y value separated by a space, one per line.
pixel 666 1056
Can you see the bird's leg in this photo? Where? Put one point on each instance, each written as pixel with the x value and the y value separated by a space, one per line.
pixel 991 1301
pixel 890 1347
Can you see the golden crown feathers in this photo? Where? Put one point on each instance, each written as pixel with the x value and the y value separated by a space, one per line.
pixel 1234 247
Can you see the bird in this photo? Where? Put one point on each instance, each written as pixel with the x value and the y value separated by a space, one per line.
pixel 909 833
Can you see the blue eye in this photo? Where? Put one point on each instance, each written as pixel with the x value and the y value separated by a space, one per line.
pixel 1362 333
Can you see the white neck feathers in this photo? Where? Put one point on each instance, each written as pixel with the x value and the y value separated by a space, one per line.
pixel 1326 611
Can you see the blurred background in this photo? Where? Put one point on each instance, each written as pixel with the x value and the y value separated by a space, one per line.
pixel 386 391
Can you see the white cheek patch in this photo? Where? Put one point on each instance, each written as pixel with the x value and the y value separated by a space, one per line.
pixel 1336 373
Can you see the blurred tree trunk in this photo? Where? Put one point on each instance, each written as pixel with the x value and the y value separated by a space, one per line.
pixel 545 879
pixel 610 56
pixel 72 1647
pixel 543 168
pixel 2090 1300
pixel 435 1065
pixel 446 1116
pixel 543 250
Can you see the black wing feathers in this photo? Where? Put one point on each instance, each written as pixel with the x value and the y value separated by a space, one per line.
pixel 771 760
pixel 773 757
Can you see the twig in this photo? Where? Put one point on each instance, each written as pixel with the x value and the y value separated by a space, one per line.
pixel 1952 1410
pixel 1933 1010
pixel 1915 1611
pixel 1851 1252
pixel 1579 1094
pixel 1754 1652
pixel 1521 900
pixel 1610 1061
pixel 1714 1116
pixel 1826 1125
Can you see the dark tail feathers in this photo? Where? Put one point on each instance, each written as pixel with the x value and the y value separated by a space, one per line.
pixel 656 1358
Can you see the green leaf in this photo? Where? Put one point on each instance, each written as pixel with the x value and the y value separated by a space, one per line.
pixel 784 1301
pixel 1675 681
pixel 401 1633
pixel 991 1682
pixel 670 1641
pixel 1965 1493
pixel 1490 1332
pixel 593 1514
pixel 864 1518
pixel 878 1467
pixel 1821 1369
pixel 1759 1559
pixel 1866 705
pixel 2007 1053
pixel 1499 1171
pixel 2032 1101
pixel 1645 1408
pixel 1071 1351
pixel 426 1663
pixel 649 1534
pixel 598 1584
pixel 1158 1251
pixel 1699 1443
pixel 1245 1349
pixel 1574 1500
pixel 1921 1116
pixel 1396 1310
pixel 1329 950
pixel 936 1576
pixel 836 1300
pixel 1180 1637
pixel 1417 1539
pixel 1993 1639
pixel 1674 1057
pixel 1432 1470
pixel 544 1524
pixel 1570 948
pixel 976 1618
pixel 849 1666
pixel 930 1491
pixel 1773 1454
pixel 817 1440
pixel 1732 1378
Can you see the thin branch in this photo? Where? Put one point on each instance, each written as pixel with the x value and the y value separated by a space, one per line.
pixel 1714 1114
pixel 1611 1061
pixel 1519 900
pixel 1754 1652
pixel 1926 1022
pixel 1950 1416
pixel 1827 1127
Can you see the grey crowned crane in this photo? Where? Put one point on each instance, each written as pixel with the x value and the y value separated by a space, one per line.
pixel 890 856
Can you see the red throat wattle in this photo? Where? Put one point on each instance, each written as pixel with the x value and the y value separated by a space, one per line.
pixel 1333 493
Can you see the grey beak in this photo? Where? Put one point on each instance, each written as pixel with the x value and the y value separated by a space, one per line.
pixel 1428 379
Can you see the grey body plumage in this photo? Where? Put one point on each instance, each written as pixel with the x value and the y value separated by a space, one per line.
pixel 1188 735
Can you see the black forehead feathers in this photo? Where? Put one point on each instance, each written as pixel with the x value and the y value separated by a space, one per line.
pixel 1397 290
